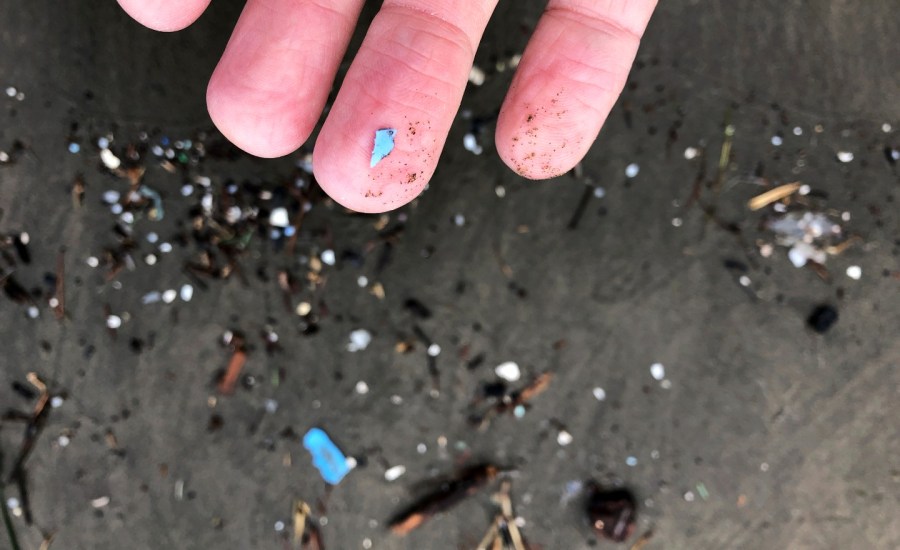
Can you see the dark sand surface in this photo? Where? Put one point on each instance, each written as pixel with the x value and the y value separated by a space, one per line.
pixel 792 436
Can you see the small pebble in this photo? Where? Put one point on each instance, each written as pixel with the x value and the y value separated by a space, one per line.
pixel 632 170
pixel 657 371
pixel 508 371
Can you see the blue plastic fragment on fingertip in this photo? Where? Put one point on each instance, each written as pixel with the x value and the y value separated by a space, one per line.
pixel 384 144
pixel 330 461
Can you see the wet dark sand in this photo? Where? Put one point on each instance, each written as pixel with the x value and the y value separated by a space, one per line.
pixel 790 435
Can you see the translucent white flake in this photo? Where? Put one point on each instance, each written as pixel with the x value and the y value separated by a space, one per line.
pixel 508 371
pixel 394 473
pixel 657 371
pixel 279 217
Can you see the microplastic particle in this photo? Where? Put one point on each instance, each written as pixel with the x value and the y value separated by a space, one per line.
pixel 279 217
pixel 113 321
pixel 279 526
pixel 362 388
pixel 777 140
pixel 854 272
pixel 632 170
pixel 394 473
pixel 798 131
pixel 691 153
pixel 599 192
pixel 151 297
pixel 384 144
pixel 165 248
pixel 366 543
pixel 63 441
pixel 631 461
pixel 100 502
pixel 109 159
pixel 599 394
pixel 359 340
pixel 152 237
pixel 434 350
pixel 421 448
pixel 657 371
pixel 564 438
pixel 328 257
pixel 186 292
pixel 519 411
pixel 476 75
pixel 56 401
pixel 11 91
pixel 327 458
pixel 886 128
pixel 111 196
pixel 508 371
pixel 362 281
pixel 845 156
pixel 92 261
pixel 169 296
pixel 470 143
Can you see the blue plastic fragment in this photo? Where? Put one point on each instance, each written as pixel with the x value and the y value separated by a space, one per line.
pixel 384 144
pixel 330 461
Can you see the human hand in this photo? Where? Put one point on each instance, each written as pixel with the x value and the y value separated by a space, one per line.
pixel 409 75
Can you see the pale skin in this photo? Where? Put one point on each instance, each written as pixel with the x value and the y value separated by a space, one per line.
pixel 272 82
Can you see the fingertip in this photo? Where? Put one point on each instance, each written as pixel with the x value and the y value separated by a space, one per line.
pixel 267 128
pixel 163 15
pixel 342 166
pixel 541 142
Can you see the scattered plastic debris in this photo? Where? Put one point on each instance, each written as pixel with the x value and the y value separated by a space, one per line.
pixel 362 388
pixel 384 144
pixel 632 170
pixel 279 217
pixel 564 438
pixel 854 272
pixel 327 458
pixel 109 159
pixel 845 156
pixel 599 393
pixel 657 371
